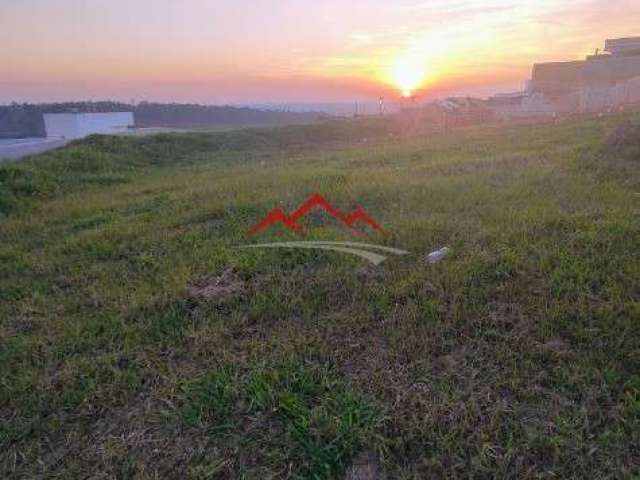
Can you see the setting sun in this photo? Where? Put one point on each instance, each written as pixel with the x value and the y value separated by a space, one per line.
pixel 408 74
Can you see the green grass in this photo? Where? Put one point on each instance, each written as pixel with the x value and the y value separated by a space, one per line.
pixel 515 357
pixel 285 414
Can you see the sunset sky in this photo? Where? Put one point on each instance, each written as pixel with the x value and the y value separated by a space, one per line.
pixel 230 51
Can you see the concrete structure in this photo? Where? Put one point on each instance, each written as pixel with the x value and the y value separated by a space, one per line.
pixel 623 46
pixel 521 106
pixel 79 125
pixel 557 77
pixel 600 83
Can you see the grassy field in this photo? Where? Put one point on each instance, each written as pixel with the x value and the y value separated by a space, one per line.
pixel 517 356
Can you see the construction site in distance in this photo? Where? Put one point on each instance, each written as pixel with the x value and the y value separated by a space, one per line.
pixel 605 82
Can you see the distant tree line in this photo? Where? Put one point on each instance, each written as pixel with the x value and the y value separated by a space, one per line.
pixel 195 116
pixel 25 120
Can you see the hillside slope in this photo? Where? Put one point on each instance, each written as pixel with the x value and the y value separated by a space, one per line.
pixel 138 341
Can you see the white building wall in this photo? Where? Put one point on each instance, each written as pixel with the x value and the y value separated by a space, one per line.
pixel 79 125
pixel 531 106
pixel 107 123
pixel 601 99
pixel 61 125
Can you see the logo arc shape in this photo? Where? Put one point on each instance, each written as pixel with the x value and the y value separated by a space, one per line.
pixel 344 247
pixel 384 248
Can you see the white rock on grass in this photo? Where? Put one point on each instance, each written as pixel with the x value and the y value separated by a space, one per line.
pixel 436 256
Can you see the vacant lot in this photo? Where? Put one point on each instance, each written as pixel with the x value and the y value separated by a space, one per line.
pixel 137 341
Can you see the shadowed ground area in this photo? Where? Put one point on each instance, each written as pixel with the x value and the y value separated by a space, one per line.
pixel 138 341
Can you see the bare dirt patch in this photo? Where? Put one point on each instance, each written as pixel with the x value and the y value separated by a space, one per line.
pixel 216 289
pixel 557 346
pixel 365 466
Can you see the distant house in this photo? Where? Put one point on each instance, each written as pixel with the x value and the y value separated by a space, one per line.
pixel 623 46
pixel 599 82
pixel 79 125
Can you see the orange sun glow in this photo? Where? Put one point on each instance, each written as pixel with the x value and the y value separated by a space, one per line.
pixel 408 74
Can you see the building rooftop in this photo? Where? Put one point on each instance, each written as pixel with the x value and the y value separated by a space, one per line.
pixel 622 46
